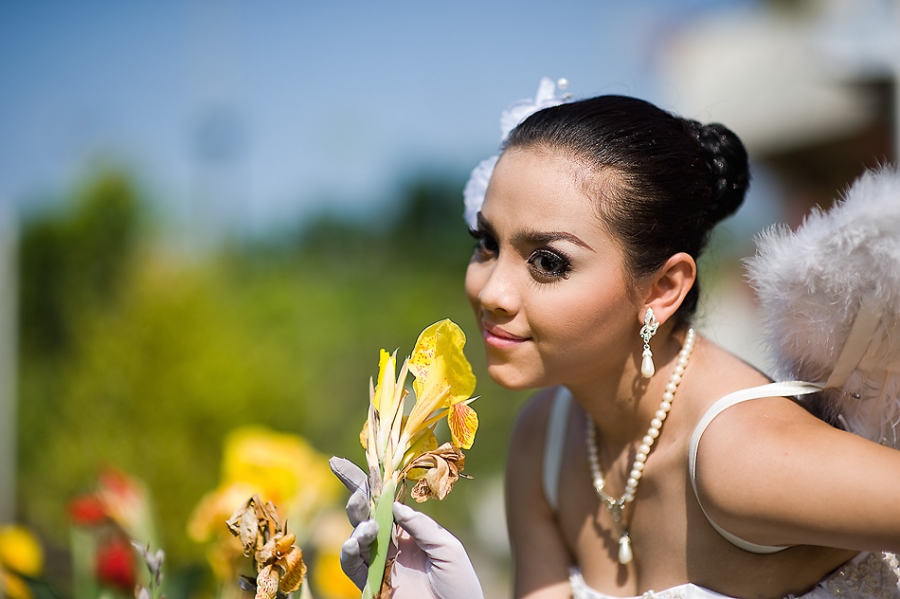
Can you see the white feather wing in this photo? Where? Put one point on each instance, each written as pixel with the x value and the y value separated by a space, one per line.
pixel 811 283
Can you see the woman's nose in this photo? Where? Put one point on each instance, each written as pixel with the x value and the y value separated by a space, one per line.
pixel 498 292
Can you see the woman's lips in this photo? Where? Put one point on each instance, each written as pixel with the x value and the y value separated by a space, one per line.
pixel 497 337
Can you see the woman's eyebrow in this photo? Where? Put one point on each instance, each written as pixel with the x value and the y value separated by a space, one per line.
pixel 544 237
pixel 482 224
pixel 533 237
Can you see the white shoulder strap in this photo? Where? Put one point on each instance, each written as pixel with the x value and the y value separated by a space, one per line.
pixel 553 445
pixel 784 389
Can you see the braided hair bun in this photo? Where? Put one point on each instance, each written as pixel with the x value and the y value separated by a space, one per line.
pixel 727 160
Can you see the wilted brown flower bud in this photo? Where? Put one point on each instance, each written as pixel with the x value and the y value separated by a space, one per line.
pixel 444 466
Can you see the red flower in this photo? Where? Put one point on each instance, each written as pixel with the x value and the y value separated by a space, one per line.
pixel 115 565
pixel 87 510
pixel 118 483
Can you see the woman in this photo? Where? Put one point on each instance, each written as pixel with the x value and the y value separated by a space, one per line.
pixel 584 281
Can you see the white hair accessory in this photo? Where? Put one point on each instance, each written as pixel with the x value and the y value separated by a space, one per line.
pixel 830 296
pixel 476 187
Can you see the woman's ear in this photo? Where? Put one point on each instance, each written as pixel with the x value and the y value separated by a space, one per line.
pixel 670 285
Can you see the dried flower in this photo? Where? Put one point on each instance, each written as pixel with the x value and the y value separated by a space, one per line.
pixel 279 563
pixel 281 467
pixel 441 468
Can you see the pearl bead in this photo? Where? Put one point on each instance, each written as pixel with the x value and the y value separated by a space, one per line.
pixel 648 369
pixel 625 554
pixel 640 458
pixel 661 414
pixel 639 466
pixel 644 448
pixel 652 433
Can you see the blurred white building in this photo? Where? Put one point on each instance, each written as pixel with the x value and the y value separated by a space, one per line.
pixel 811 87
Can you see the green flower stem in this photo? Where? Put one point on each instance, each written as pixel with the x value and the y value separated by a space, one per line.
pixel 384 517
pixel 84 549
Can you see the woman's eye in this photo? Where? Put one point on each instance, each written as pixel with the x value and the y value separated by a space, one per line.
pixel 485 244
pixel 550 264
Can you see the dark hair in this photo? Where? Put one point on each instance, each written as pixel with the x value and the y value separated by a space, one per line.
pixel 674 178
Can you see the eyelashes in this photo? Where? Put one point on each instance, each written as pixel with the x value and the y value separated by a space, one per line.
pixel 546 264
pixel 550 263
pixel 485 245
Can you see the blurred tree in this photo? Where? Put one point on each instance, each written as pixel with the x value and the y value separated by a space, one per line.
pixel 75 260
pixel 136 357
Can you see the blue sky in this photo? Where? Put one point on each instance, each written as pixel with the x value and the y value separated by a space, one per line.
pixel 266 110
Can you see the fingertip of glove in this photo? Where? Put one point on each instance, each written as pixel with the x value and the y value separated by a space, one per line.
pixel 402 512
pixel 366 532
pixel 350 548
pixel 353 477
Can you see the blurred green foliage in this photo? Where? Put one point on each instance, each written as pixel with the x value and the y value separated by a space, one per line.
pixel 143 358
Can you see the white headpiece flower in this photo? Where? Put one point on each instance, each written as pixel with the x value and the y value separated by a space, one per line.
pixel 511 117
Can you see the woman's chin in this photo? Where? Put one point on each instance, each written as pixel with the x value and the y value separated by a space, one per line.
pixel 512 378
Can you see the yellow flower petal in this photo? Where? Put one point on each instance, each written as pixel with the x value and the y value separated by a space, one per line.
pixel 331 580
pixel 438 361
pixel 443 374
pixel 14 587
pixel 281 467
pixel 364 434
pixel 425 441
pixel 463 422
pixel 384 390
pixel 20 550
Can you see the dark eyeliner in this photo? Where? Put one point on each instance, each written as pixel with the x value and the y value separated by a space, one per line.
pixel 563 263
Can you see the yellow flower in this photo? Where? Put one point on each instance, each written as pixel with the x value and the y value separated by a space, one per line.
pixel 400 447
pixel 326 578
pixel 330 580
pixel 20 554
pixel 403 447
pixel 443 386
pixel 444 383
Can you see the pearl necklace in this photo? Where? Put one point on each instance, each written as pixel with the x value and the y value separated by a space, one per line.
pixel 617 506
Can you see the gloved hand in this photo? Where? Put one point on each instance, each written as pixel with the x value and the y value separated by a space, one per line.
pixel 355 550
pixel 431 562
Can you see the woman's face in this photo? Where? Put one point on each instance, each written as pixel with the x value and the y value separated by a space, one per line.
pixel 546 281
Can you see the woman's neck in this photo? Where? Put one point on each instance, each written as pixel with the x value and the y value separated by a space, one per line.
pixel 623 405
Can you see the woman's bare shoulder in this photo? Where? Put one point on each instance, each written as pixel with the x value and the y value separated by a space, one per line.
pixel 541 556
pixel 530 425
pixel 774 474
pixel 712 373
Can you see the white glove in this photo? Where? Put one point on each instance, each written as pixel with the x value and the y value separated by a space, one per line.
pixel 431 562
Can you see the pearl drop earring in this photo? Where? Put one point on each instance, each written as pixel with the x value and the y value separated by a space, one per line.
pixel 648 369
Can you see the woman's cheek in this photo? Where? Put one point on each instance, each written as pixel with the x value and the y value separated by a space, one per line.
pixel 475 275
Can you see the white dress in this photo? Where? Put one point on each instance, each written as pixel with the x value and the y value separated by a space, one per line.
pixel 866 576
